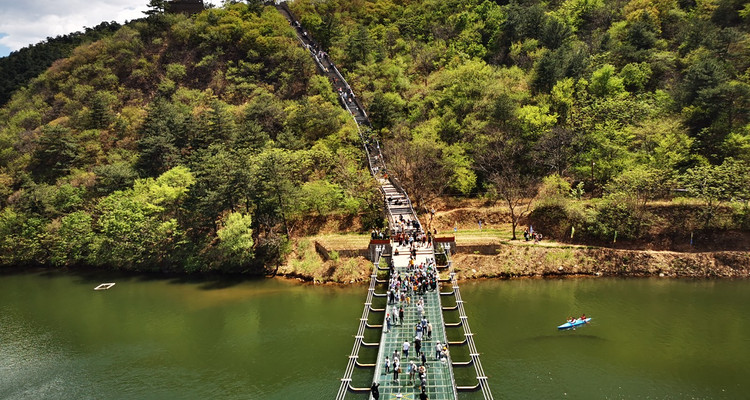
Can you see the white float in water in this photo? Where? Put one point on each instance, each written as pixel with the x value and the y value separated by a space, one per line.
pixel 104 286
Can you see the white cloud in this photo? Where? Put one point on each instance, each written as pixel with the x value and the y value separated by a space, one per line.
pixel 30 21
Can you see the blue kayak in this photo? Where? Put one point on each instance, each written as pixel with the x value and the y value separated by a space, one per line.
pixel 576 323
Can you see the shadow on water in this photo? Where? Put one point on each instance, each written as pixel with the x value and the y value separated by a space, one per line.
pixel 95 276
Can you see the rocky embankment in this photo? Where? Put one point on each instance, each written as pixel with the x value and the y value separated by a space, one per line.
pixel 511 261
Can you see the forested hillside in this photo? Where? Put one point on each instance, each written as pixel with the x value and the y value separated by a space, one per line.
pixel 177 143
pixel 624 101
pixel 199 143
pixel 19 67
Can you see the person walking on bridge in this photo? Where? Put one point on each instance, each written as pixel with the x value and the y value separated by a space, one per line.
pixel 375 391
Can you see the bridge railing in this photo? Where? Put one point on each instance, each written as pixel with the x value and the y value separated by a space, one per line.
pixel 397 184
pixel 482 383
pixel 346 381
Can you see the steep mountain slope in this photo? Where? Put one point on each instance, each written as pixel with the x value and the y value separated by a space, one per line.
pixel 176 143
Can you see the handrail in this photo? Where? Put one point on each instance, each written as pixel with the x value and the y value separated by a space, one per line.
pixel 357 389
pixel 361 365
pixel 469 338
pixel 463 363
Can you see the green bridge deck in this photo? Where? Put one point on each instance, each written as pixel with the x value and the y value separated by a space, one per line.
pixel 440 381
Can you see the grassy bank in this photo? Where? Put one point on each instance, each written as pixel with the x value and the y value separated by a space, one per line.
pixel 490 254
pixel 550 261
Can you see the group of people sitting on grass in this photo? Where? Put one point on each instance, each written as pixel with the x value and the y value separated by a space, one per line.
pixel 530 234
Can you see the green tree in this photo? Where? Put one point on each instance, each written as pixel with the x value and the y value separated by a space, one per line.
pixel 138 229
pixel 56 153
pixel 72 239
pixel 633 189
pixel 604 82
pixel 386 109
pixel 158 143
pixel 275 177
pixel 359 45
pixel 155 7
pixel 714 184
pixel 236 239
pixel 21 238
pixel 115 176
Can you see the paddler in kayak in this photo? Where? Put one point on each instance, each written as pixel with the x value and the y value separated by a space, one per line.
pixel 583 317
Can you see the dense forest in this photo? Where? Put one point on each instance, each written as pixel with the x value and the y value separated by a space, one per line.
pixel 188 143
pixel 19 67
pixel 196 143
pixel 625 101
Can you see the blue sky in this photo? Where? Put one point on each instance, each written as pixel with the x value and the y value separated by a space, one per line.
pixel 28 22
pixel 3 49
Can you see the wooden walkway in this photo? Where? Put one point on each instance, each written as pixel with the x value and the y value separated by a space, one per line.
pixel 441 384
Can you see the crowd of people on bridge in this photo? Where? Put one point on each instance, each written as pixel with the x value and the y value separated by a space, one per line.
pixel 406 291
pixel 419 278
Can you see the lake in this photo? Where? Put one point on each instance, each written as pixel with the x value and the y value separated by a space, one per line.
pixel 151 337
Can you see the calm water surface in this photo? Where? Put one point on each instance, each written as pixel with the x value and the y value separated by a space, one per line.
pixel 159 338
pixel 155 338
pixel 649 338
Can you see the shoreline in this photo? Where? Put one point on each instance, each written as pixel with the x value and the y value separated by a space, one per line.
pixel 499 261
pixel 540 262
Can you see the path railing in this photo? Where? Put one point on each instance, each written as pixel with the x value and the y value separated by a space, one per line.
pixel 346 381
pixel 482 383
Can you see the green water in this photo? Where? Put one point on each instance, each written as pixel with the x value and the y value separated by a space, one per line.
pixel 152 338
pixel 649 338
pixel 160 338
